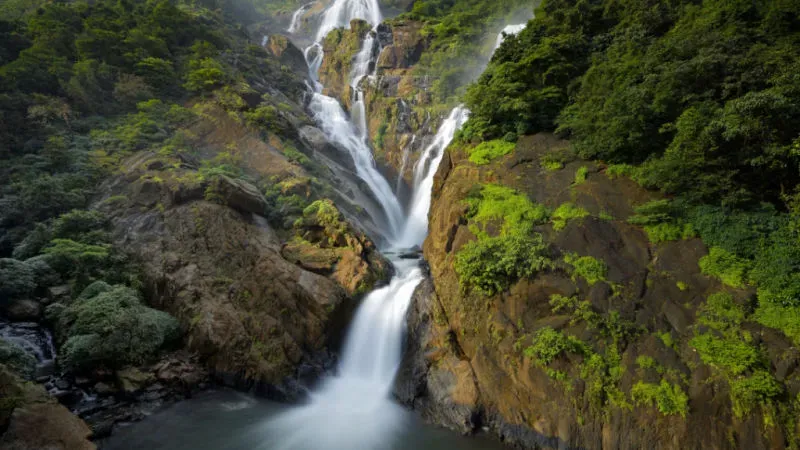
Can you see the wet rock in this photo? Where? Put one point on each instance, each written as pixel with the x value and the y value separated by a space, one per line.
pixel 23 311
pixel 287 53
pixel 132 380
pixel 240 195
pixel 35 421
pixel 59 294
pixel 104 388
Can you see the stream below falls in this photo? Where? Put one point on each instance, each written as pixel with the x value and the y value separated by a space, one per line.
pixel 230 420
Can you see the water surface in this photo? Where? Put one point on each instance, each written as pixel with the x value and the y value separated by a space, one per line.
pixel 230 420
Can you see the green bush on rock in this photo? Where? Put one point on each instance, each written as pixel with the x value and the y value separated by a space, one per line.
pixel 17 359
pixel 491 264
pixel 488 151
pixel 669 399
pixel 589 268
pixel 112 328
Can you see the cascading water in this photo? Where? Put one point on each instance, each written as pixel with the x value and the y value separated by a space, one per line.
pixel 416 226
pixel 509 30
pixel 294 26
pixel 343 11
pixel 353 409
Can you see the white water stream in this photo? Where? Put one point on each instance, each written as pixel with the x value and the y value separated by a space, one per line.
pixel 354 409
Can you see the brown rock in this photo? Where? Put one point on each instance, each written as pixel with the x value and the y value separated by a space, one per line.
pixel 23 311
pixel 34 421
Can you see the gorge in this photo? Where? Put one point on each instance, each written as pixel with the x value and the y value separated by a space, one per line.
pixel 395 224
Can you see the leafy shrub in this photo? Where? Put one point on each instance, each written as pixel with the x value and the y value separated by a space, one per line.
pixel 729 354
pixel 589 268
pixel 113 328
pixel 499 203
pixel 491 264
pixel 669 231
pixel 17 359
pixel 747 392
pixel 725 266
pixel 488 151
pixel 548 344
pixel 721 312
pixel 669 399
pixel 17 279
pixel 565 213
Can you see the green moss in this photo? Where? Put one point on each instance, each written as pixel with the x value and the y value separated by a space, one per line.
pixel 666 338
pixel 491 264
pixel 725 266
pixel 486 152
pixel 682 286
pixel 580 174
pixel 591 269
pixel 565 213
pixel 647 362
pixel 669 399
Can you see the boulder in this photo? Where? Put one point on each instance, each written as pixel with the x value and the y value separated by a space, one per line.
pixel 131 380
pixel 35 421
pixel 240 195
pixel 287 53
pixel 23 310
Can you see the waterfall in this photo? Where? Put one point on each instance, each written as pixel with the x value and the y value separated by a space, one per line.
pixel 294 26
pixel 353 409
pixel 416 226
pixel 337 127
pixel 342 12
pixel 509 30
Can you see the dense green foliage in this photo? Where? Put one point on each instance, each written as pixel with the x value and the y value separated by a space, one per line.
pixel 507 248
pixel 109 326
pixel 706 94
pixel 17 359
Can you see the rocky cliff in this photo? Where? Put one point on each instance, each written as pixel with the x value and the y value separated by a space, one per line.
pixel 598 347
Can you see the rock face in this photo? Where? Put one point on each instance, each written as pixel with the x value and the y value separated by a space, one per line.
pixel 286 52
pixel 32 420
pixel 467 365
pixel 340 47
pixel 211 259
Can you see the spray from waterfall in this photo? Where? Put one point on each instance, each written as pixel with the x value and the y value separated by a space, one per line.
pixel 294 25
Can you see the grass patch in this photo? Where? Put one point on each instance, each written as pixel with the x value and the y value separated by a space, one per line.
pixel 488 151
pixel 565 213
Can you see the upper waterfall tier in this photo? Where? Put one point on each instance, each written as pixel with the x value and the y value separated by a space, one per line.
pixel 343 11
